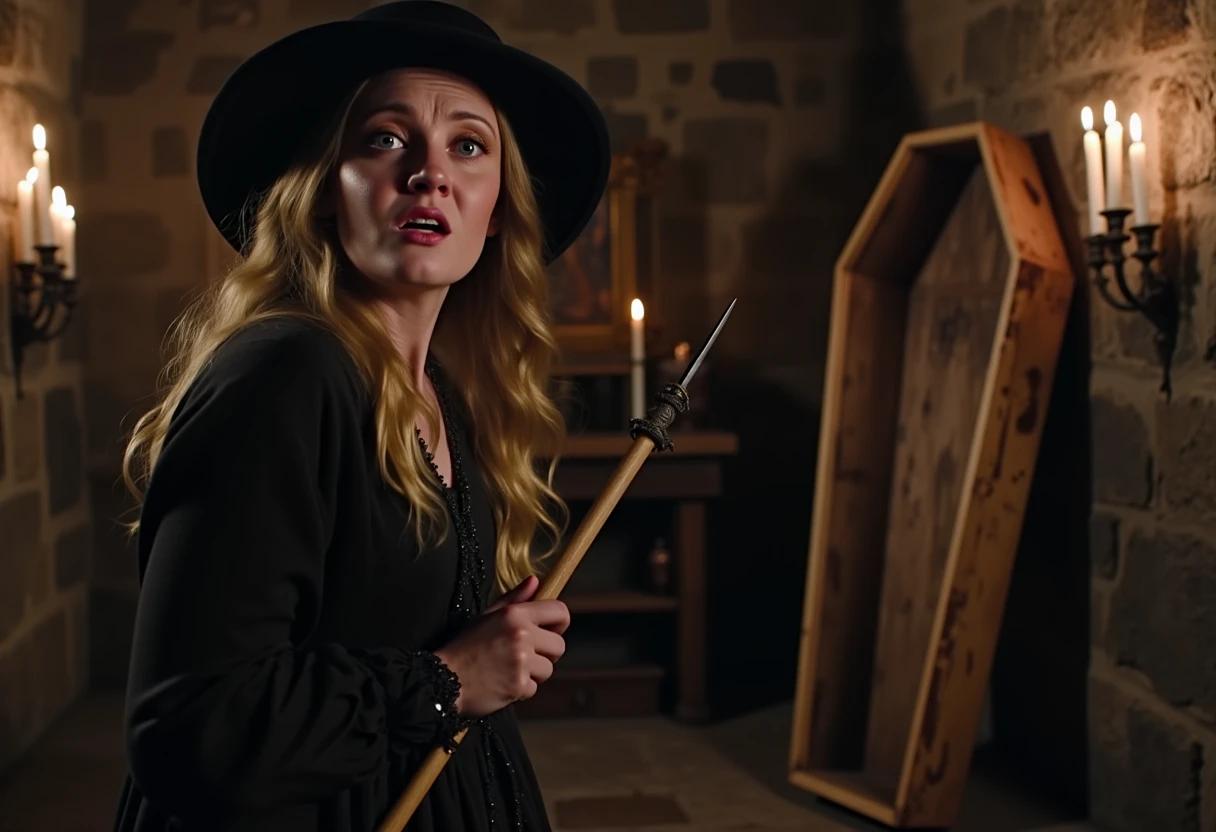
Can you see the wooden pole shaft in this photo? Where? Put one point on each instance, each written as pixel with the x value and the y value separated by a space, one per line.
pixel 550 588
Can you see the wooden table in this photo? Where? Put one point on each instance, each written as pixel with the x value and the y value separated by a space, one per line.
pixel 688 476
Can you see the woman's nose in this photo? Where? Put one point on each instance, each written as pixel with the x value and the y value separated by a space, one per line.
pixel 431 177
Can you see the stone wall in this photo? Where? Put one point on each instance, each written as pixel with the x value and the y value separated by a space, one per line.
pixel 772 160
pixel 45 537
pixel 1030 66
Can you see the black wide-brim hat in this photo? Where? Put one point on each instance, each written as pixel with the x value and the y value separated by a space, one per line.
pixel 279 96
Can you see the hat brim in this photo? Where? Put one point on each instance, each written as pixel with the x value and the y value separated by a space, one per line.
pixel 281 94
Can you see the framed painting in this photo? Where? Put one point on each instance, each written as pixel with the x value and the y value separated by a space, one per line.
pixel 613 261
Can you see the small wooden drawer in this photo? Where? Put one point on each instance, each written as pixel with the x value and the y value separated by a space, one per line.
pixel 596 692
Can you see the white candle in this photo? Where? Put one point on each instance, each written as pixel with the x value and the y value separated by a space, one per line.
pixel 59 201
pixel 1114 157
pixel 25 218
pixel 1093 173
pixel 42 187
pixel 637 359
pixel 69 242
pixel 1135 167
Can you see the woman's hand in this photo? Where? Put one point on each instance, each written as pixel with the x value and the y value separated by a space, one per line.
pixel 508 651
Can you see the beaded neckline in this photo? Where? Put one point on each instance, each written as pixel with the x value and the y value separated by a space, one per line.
pixel 467 599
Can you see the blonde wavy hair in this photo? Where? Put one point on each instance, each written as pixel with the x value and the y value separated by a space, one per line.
pixel 292 269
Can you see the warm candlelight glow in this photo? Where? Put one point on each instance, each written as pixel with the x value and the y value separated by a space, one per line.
pixel 1108 113
pixel 39 137
pixel 636 310
pixel 1087 118
pixel 59 197
pixel 1133 127
pixel 31 175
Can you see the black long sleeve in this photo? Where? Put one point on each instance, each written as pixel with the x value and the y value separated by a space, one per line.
pixel 232 708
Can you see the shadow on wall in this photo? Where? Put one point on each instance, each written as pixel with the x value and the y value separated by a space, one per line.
pixel 1040 672
pixel 757 572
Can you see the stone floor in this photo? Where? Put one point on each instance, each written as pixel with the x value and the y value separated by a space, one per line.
pixel 599 776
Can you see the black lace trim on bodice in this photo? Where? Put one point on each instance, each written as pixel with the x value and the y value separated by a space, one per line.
pixel 468 597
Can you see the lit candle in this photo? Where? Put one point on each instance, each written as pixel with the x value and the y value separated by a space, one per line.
pixel 1114 157
pixel 42 187
pixel 25 217
pixel 1135 167
pixel 637 359
pixel 1093 172
pixel 69 242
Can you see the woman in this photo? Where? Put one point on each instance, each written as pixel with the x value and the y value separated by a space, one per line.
pixel 344 466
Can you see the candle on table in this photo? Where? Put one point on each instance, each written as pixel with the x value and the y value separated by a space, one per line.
pixel 42 187
pixel 25 217
pixel 1093 173
pixel 1114 157
pixel 69 242
pixel 637 359
pixel 1135 167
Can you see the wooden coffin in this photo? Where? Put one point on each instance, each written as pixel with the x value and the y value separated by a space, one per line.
pixel 948 311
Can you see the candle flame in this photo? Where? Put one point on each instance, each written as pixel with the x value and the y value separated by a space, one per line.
pixel 636 310
pixel 1133 127
pixel 59 197
pixel 1108 113
pixel 39 137
pixel 1087 118
pixel 69 213
pixel 31 175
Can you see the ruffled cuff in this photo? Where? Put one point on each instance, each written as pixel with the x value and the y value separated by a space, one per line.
pixel 445 690
pixel 421 693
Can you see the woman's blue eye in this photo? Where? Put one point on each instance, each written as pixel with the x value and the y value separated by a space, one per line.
pixel 380 140
pixel 470 147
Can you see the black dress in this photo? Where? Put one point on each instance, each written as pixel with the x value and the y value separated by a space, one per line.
pixel 280 673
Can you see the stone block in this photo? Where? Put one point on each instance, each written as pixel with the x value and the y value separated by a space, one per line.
pixel 1005 44
pixel 1186 455
pixel 3 446
pixel 8 32
pixel 74 557
pixel 810 91
pixel 307 12
pixel 1188 159
pixel 63 434
pixel 210 72
pixel 960 112
pixel 118 63
pixel 1083 31
pixel 624 128
pixel 35 686
pixel 228 14
pixel 123 244
pixel 1125 477
pixel 729 156
pixel 612 76
pixel 94 152
pixel 26 434
pixel 1104 545
pixel 752 80
pixel 108 15
pixel 79 614
pixel 170 152
pixel 1163 616
pixel 564 17
pixel 785 20
pixel 21 531
pixel 645 17
pixel 1165 23
pixel 680 72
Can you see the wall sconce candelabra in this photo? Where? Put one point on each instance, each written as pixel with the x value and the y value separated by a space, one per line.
pixel 43 287
pixel 1157 299
pixel 41 302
